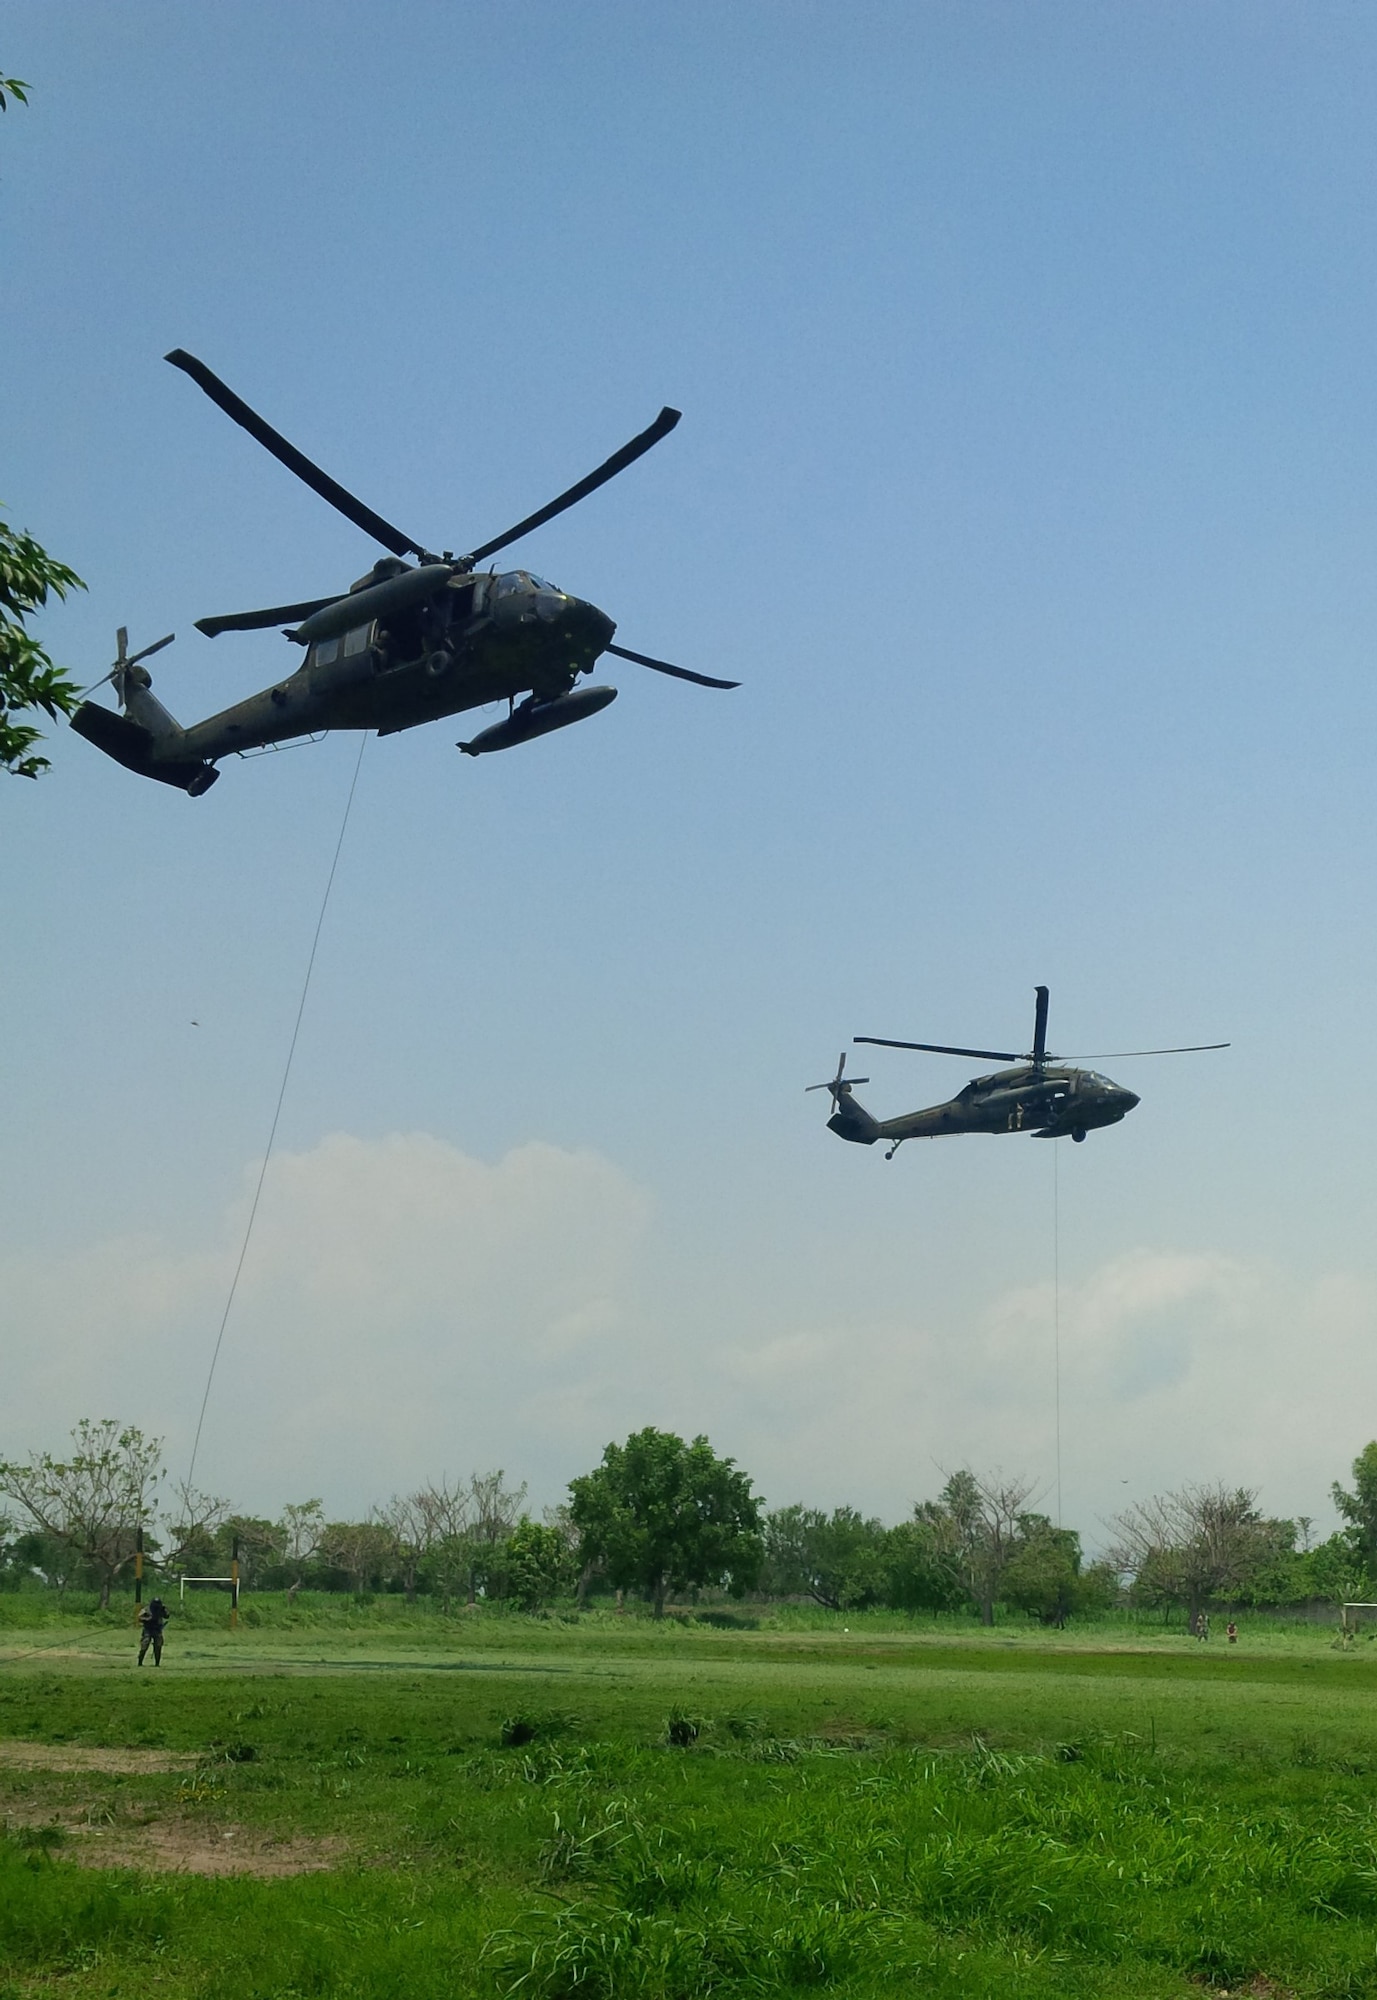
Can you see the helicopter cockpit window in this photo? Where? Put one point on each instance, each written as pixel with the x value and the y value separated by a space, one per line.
pixel 327 652
pixel 512 583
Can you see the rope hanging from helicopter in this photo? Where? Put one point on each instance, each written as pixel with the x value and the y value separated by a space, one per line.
pixel 277 1113
pixel 1056 1317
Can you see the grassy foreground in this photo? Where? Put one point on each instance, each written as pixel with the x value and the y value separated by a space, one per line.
pixel 493 1806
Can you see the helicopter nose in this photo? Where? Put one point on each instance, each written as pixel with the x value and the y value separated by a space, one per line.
pixel 588 629
pixel 1128 1099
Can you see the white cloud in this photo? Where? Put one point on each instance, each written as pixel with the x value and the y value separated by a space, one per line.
pixel 1174 1367
pixel 404 1310
pixel 408 1310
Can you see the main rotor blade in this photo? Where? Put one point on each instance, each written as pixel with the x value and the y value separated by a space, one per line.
pixel 259 621
pixel 663 667
pixel 1189 1049
pixel 1040 1029
pixel 941 1048
pixel 295 461
pixel 609 469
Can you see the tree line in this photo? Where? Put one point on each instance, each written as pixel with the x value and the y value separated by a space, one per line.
pixel 660 1518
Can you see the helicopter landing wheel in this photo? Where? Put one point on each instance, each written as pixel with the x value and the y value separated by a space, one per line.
pixel 1078 1136
pixel 439 663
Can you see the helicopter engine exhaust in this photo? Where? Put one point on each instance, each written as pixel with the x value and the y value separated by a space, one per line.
pixel 538 718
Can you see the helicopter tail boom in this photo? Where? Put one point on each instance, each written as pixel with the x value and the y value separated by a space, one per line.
pixel 852 1121
pixel 132 745
pixel 145 738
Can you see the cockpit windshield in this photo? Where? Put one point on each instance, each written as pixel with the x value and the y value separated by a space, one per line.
pixel 516 582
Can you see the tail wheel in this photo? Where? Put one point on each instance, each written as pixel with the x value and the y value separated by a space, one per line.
pixel 1078 1135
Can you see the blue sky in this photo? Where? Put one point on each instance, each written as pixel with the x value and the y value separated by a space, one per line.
pixel 1025 481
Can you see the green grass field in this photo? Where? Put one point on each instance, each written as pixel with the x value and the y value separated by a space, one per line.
pixel 373 1803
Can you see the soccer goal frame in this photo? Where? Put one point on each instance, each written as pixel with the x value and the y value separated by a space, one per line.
pixel 1348 1625
pixel 183 1581
pixel 232 1580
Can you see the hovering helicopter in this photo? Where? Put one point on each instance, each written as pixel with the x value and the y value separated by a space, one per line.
pixel 405 644
pixel 1044 1096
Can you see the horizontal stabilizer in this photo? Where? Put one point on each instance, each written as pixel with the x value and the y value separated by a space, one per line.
pixel 132 746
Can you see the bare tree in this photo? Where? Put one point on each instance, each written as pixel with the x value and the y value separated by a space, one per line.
pixel 360 1548
pixel 494 1511
pixel 193 1520
pixel 445 1513
pixel 1193 1545
pixel 96 1501
pixel 495 1508
pixel 412 1524
pixel 983 1514
pixel 464 1523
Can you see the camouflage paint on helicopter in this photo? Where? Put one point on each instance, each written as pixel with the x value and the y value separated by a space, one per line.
pixel 1043 1096
pixel 406 644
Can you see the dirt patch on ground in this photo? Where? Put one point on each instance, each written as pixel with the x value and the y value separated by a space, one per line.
pixel 17 1756
pixel 180 1847
pixel 167 1844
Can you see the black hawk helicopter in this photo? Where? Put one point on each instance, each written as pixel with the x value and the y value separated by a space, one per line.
pixel 406 644
pixel 1043 1096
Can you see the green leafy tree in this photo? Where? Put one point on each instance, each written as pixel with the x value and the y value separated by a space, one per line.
pixel 923 1563
pixel 537 1566
pixel 660 1515
pixel 1335 1571
pixel 97 1500
pixel 1045 1577
pixel 253 1536
pixel 28 575
pixel 37 1554
pixel 1359 1508
pixel 838 1559
pixel 983 1513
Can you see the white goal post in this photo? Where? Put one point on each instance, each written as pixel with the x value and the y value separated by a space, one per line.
pixel 1348 1624
pixel 185 1580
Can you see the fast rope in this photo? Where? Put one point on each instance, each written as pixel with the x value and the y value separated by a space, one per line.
pixel 272 1132
pixel 1056 1313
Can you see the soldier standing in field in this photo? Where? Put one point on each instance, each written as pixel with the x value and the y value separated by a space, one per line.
pixel 153 1618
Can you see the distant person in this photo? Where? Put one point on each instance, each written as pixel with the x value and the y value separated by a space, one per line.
pixel 153 1618
pixel 1231 1633
pixel 1204 1631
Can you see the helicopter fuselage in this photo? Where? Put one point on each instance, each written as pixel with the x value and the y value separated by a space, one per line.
pixel 1050 1102
pixel 473 640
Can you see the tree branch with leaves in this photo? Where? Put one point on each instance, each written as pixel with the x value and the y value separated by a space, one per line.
pixel 96 1501
pixel 29 682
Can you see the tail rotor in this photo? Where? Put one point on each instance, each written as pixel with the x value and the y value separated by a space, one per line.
pixel 121 674
pixel 840 1085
